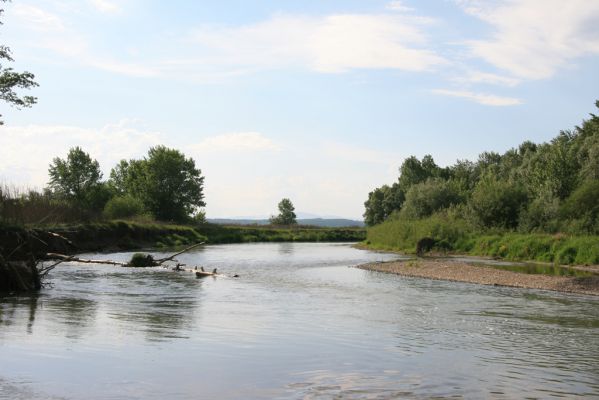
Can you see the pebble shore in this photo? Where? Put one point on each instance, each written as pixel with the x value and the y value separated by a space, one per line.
pixel 460 271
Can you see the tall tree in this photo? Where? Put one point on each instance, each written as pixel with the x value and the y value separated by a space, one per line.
pixel 11 80
pixel 168 184
pixel 286 214
pixel 78 178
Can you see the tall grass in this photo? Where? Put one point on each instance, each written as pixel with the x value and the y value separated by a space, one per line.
pixel 458 236
pixel 30 207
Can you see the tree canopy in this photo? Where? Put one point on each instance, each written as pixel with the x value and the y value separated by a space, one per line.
pixel 167 183
pixel 286 214
pixel 10 80
pixel 77 178
pixel 545 187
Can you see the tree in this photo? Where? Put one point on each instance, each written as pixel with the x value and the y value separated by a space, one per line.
pixel 286 214
pixel 77 178
pixel 11 80
pixel 423 199
pixel 498 203
pixel 167 183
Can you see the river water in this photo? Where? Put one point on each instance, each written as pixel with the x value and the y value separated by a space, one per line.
pixel 299 322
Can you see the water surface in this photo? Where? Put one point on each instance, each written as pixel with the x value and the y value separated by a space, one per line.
pixel 298 323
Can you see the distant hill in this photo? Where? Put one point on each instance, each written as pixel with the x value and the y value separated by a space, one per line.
pixel 324 222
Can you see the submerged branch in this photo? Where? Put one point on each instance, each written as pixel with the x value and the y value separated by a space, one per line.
pixel 163 260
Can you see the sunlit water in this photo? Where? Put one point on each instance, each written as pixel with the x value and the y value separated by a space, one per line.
pixel 297 323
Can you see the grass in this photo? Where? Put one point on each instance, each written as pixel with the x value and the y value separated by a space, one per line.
pixel 457 236
pixel 129 235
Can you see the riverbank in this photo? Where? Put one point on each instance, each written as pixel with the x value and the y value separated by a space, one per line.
pixel 446 235
pixel 460 271
pixel 20 242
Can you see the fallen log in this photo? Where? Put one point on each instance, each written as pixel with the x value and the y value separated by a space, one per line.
pixel 149 260
pixel 163 260
pixel 65 258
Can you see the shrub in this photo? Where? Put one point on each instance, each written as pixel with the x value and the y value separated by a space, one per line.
pixel 141 260
pixel 497 204
pixel 423 199
pixel 123 207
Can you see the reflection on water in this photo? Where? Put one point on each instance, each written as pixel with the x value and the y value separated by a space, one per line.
pixel 298 323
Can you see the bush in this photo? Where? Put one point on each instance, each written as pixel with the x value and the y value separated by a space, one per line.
pixel 583 206
pixel 423 199
pixel 497 204
pixel 141 260
pixel 123 207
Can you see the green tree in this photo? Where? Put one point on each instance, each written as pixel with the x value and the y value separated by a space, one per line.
pixel 423 199
pixel 78 178
pixel 374 212
pixel 167 183
pixel 414 171
pixel 583 206
pixel 11 80
pixel 497 203
pixel 286 214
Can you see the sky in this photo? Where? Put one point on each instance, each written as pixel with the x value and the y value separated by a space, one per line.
pixel 317 101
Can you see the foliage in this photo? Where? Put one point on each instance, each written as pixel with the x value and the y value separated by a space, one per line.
pixel 583 206
pixel 30 207
pixel 423 199
pixel 124 206
pixel 77 178
pixel 286 214
pixel 11 80
pixel 167 183
pixel 141 260
pixel 534 187
pixel 478 207
pixel 498 203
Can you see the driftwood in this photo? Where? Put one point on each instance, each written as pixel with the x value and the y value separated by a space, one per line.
pixel 163 260
pixel 66 258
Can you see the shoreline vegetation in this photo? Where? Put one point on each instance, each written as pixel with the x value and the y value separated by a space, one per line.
pixel 23 248
pixel 461 271
pixel 535 202
pixel 130 235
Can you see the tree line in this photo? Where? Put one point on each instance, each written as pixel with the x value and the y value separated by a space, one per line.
pixel 549 187
pixel 164 184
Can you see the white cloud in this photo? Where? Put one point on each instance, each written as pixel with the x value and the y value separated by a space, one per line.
pixel 398 5
pixel 38 19
pixel 26 151
pixel 486 99
pixel 333 44
pixel 533 39
pixel 235 142
pixel 106 6
pixel 479 77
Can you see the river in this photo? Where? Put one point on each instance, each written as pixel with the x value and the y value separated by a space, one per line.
pixel 299 322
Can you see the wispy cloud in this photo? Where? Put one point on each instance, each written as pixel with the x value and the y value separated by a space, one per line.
pixel 398 5
pixel 38 19
pixel 533 39
pixel 235 142
pixel 106 6
pixel 481 98
pixel 108 145
pixel 331 44
pixel 479 77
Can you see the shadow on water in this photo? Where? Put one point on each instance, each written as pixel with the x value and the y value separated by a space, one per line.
pixel 12 310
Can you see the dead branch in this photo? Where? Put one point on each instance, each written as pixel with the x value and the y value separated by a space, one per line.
pixel 163 260
pixel 64 258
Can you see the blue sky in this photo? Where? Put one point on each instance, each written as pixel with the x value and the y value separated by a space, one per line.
pixel 318 101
